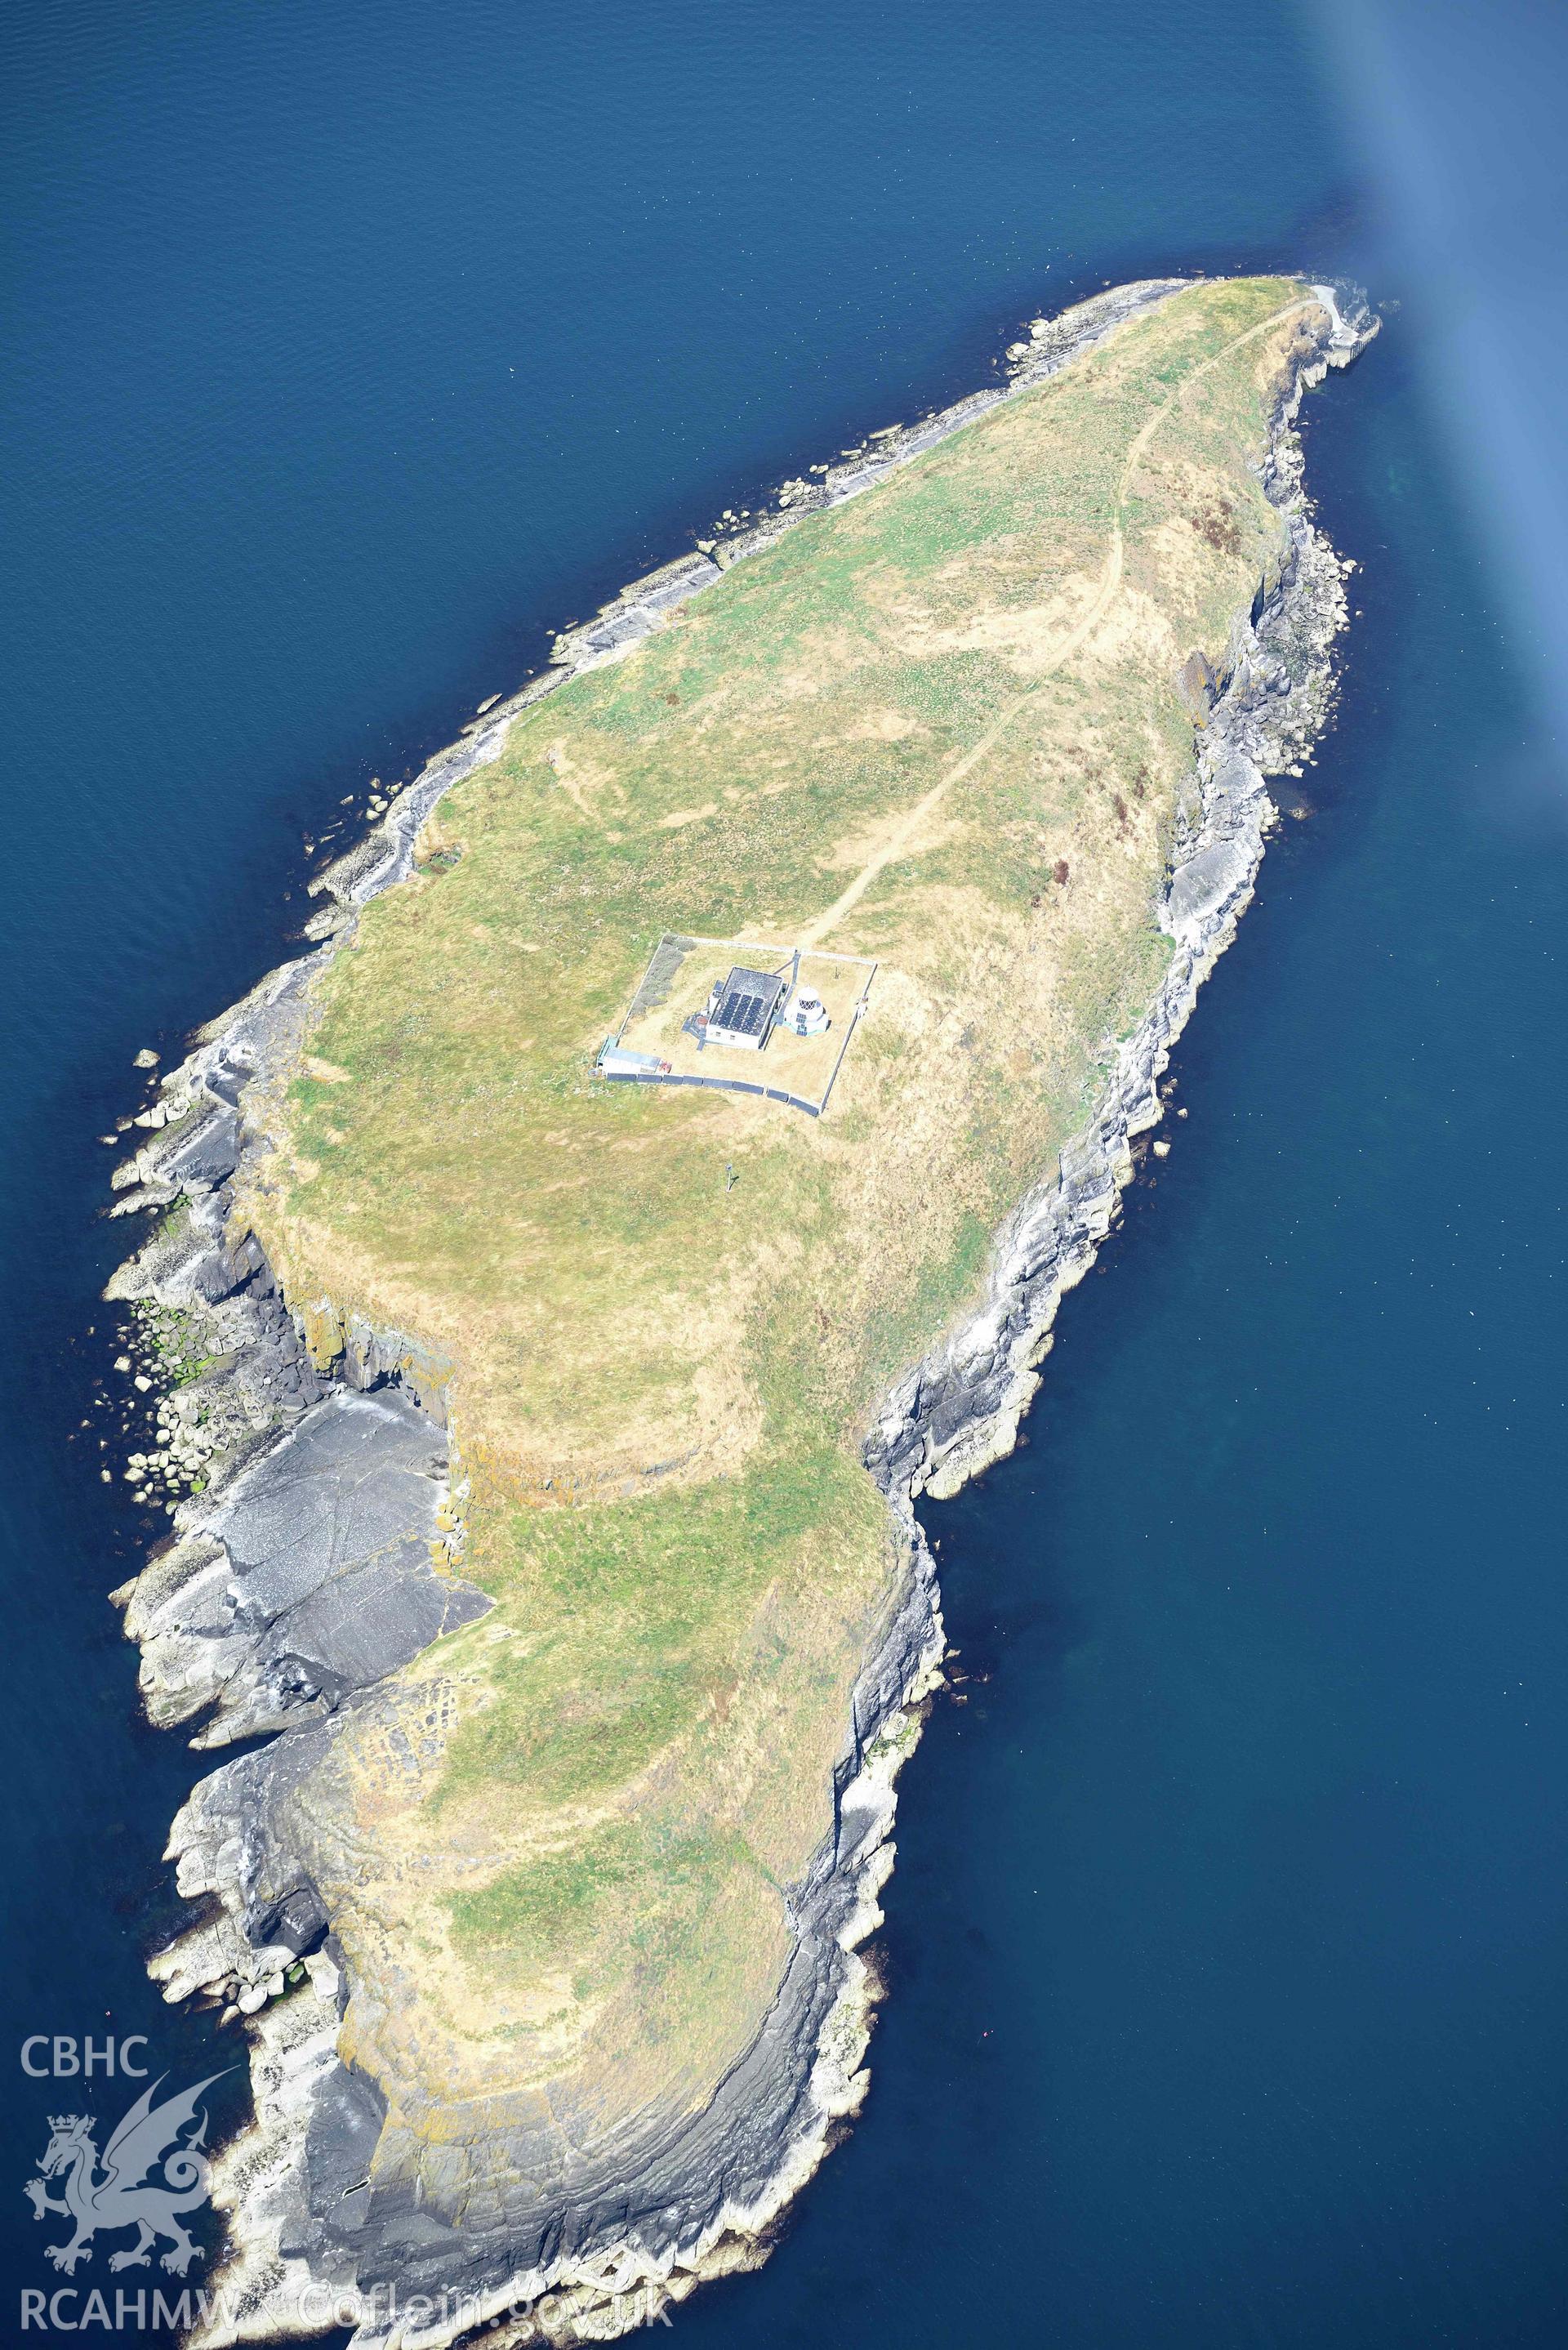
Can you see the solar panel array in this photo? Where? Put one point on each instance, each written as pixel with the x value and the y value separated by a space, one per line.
pixel 744 1014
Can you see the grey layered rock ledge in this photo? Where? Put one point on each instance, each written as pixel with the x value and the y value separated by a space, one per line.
pixel 320 1561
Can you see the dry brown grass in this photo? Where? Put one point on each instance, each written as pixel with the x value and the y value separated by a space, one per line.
pixel 938 726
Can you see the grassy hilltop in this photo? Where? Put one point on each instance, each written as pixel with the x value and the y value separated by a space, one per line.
pixel 938 726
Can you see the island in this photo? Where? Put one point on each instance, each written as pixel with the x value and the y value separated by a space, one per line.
pixel 659 1166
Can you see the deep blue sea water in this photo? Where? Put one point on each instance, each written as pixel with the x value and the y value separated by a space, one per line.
pixel 348 349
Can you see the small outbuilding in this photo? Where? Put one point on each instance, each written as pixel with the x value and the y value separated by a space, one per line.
pixel 743 1007
pixel 615 1061
pixel 805 1014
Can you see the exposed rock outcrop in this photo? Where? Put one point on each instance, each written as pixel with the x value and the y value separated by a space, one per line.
pixel 961 1407
pixel 321 1558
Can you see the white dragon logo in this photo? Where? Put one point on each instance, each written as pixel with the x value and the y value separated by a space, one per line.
pixel 122 2195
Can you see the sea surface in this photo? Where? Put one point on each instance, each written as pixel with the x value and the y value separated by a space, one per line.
pixel 350 349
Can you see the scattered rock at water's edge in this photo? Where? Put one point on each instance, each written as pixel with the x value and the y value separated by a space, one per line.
pixel 272 1610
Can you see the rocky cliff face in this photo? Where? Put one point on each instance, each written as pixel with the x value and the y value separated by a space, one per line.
pixel 960 1408
pixel 323 1553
